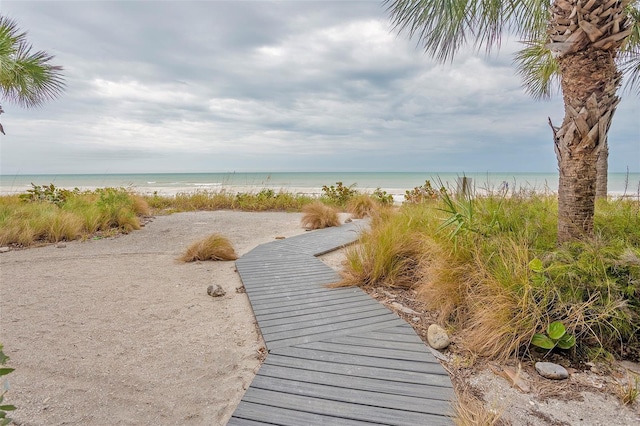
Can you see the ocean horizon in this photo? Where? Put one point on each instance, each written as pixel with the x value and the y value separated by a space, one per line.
pixel 395 183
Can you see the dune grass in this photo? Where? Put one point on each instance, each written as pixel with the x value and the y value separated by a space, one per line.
pixel 213 247
pixel 31 218
pixel 318 215
pixel 470 260
pixel 263 200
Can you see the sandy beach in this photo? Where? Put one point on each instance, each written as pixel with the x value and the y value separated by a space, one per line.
pixel 115 331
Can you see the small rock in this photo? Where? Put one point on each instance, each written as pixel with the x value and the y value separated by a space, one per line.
pixel 437 337
pixel 61 245
pixel 4 249
pixel 551 371
pixel 215 291
pixel 400 307
pixel 349 220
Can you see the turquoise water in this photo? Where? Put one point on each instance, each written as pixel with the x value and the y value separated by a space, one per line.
pixel 395 183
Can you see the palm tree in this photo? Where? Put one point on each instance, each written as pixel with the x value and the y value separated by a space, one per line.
pixel 26 78
pixel 577 40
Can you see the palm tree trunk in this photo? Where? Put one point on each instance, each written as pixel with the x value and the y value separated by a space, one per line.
pixel 585 38
pixel 602 169
pixel 589 81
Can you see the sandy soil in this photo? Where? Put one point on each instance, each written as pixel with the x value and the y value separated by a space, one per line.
pixel 116 331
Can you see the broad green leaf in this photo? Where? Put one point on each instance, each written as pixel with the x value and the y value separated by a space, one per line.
pixel 542 341
pixel 5 371
pixel 567 341
pixel 556 330
pixel 536 265
pixel 7 407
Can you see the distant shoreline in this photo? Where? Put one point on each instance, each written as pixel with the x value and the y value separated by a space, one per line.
pixel 310 183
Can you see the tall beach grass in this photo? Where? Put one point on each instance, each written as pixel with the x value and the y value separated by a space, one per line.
pixel 470 261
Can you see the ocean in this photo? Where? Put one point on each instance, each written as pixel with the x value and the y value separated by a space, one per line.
pixel 395 183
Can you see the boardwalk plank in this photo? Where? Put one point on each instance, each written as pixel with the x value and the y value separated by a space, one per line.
pixel 304 316
pixel 377 343
pixel 348 297
pixel 351 395
pixel 312 334
pixel 372 351
pixel 349 381
pixel 317 321
pixel 342 409
pixel 250 414
pixel 398 370
pixel 340 306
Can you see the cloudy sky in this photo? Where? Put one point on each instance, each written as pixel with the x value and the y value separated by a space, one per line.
pixel 221 86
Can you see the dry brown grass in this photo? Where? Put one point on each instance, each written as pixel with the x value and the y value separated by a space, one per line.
pixel 214 247
pixel 140 205
pixel 629 389
pixel 362 205
pixel 318 215
pixel 470 411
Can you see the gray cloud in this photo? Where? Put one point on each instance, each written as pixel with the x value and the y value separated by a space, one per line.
pixel 272 86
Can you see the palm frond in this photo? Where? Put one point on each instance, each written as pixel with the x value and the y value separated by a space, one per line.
pixel 538 69
pixel 444 26
pixel 26 78
pixel 629 57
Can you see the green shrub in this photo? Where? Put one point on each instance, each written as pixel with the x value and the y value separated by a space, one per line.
pixel 338 194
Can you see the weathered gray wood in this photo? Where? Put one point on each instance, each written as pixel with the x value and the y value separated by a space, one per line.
pixel 295 337
pixel 342 409
pixel 336 356
pixel 371 351
pixel 316 358
pixel 335 304
pixel 339 306
pixel 398 371
pixel 376 343
pixel 317 321
pixel 326 314
pixel 285 417
pixel 344 393
pixel 349 381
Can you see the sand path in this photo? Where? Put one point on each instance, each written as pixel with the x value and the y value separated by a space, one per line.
pixel 117 332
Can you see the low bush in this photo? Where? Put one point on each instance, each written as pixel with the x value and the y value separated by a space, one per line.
pixel 338 194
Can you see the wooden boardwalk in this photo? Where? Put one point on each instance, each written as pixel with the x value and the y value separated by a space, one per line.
pixel 336 356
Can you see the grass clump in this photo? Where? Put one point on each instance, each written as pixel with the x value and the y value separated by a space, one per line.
pixel 469 410
pixel 471 261
pixel 362 205
pixel 49 214
pixel 318 215
pixel 213 247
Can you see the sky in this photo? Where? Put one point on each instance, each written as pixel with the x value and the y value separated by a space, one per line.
pixel 274 86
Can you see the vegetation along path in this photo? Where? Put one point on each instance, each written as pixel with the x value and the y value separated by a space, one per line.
pixel 336 356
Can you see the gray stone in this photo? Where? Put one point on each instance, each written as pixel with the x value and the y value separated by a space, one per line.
pixel 437 337
pixel 552 371
pixel 215 291
pixel 400 307
pixel 4 249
